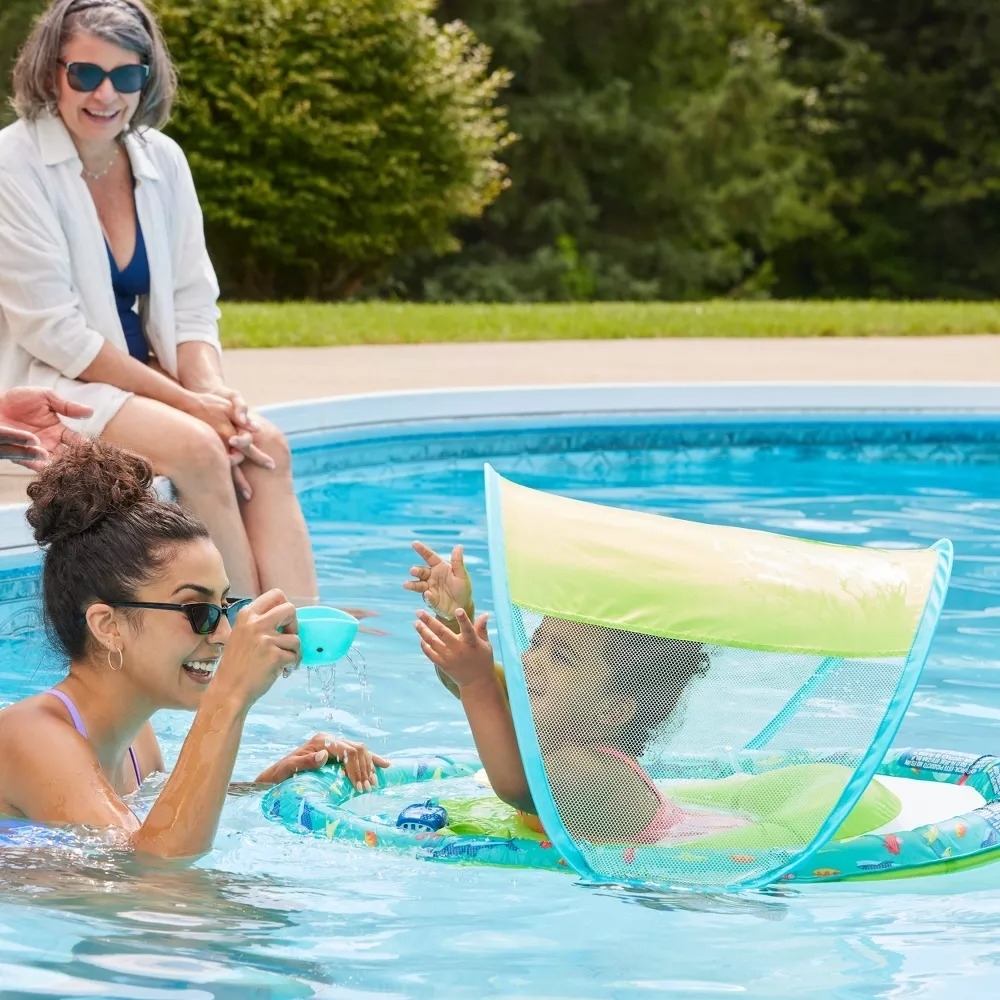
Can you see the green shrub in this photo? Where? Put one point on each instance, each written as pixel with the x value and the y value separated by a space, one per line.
pixel 327 137
pixel 658 141
pixel 15 23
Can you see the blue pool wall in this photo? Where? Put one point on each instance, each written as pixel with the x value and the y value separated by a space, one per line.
pixel 349 431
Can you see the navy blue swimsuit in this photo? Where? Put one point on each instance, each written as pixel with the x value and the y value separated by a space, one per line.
pixel 128 285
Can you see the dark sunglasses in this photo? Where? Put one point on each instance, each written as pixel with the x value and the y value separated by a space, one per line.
pixel 204 618
pixel 87 77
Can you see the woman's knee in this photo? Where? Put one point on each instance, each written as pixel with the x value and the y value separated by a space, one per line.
pixel 273 443
pixel 199 458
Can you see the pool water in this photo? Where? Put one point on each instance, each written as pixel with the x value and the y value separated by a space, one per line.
pixel 271 914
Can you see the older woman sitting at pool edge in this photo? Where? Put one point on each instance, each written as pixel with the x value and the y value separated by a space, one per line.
pixel 107 294
pixel 138 599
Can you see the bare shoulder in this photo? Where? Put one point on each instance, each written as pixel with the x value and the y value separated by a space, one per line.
pixel 33 740
pixel 34 721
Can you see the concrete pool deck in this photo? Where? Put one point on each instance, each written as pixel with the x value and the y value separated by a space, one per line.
pixel 285 375
pixel 282 375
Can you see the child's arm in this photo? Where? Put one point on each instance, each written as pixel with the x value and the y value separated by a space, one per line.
pixel 466 659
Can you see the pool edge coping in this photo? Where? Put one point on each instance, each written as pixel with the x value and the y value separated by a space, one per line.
pixel 423 405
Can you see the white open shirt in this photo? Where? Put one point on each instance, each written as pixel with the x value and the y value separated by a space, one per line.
pixel 57 306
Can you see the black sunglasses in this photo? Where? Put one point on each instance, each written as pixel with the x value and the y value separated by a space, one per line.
pixel 204 618
pixel 87 77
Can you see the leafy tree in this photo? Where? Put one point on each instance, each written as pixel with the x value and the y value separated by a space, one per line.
pixel 910 94
pixel 15 23
pixel 327 137
pixel 657 155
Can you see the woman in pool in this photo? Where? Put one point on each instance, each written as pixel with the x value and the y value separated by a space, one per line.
pixel 597 695
pixel 137 597
pixel 107 294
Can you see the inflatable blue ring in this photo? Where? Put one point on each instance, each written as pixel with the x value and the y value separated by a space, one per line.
pixel 313 803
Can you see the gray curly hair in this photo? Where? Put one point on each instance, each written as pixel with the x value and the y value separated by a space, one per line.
pixel 125 23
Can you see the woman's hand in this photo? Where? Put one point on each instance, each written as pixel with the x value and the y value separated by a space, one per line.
pixel 241 412
pixel 242 446
pixel 30 428
pixel 445 586
pixel 217 412
pixel 264 644
pixel 225 412
pixel 357 760
pixel 465 656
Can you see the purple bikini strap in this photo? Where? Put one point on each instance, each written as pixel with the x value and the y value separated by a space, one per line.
pixel 82 729
pixel 135 767
pixel 74 713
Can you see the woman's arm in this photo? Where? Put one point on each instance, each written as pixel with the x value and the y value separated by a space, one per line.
pixel 196 288
pixel 53 775
pixel 199 366
pixel 115 367
pixel 38 301
pixel 42 312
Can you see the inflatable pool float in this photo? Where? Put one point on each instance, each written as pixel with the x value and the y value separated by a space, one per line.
pixel 756 679
pixel 947 819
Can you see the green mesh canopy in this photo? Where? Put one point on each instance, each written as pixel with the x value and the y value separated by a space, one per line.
pixel 658 668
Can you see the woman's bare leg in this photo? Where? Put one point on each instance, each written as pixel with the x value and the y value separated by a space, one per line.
pixel 196 461
pixel 274 522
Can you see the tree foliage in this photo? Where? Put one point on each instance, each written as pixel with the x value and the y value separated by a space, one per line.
pixel 327 137
pixel 657 157
pixel 15 23
pixel 910 94
pixel 668 149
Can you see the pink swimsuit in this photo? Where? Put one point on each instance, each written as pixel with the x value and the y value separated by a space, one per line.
pixel 667 816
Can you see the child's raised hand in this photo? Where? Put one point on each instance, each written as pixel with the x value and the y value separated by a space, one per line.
pixel 465 656
pixel 445 586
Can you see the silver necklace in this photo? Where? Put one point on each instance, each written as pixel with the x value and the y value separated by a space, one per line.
pixel 97 176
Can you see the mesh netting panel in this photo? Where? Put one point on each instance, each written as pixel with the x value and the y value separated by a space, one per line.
pixel 648 747
pixel 698 704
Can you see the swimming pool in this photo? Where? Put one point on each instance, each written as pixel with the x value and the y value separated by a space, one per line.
pixel 269 914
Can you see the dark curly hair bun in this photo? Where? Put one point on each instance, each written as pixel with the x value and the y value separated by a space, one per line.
pixel 86 483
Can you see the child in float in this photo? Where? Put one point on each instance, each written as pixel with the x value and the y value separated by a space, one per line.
pixel 594 710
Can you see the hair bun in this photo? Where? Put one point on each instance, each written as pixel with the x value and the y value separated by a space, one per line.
pixel 86 483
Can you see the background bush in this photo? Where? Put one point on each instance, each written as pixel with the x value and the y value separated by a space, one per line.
pixel 658 155
pixel 15 22
pixel 668 149
pixel 327 137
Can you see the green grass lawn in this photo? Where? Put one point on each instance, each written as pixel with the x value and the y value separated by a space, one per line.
pixel 317 325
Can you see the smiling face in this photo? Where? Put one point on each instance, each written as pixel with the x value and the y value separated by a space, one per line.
pixel 162 653
pixel 97 118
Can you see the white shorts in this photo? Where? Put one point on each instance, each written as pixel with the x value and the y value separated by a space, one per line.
pixel 105 400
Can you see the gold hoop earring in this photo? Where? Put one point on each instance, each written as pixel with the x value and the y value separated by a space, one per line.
pixel 121 659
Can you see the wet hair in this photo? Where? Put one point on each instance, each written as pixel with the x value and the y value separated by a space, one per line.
pixel 105 531
pixel 125 23
pixel 653 671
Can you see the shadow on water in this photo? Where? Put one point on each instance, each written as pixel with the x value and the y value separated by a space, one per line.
pixel 765 905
